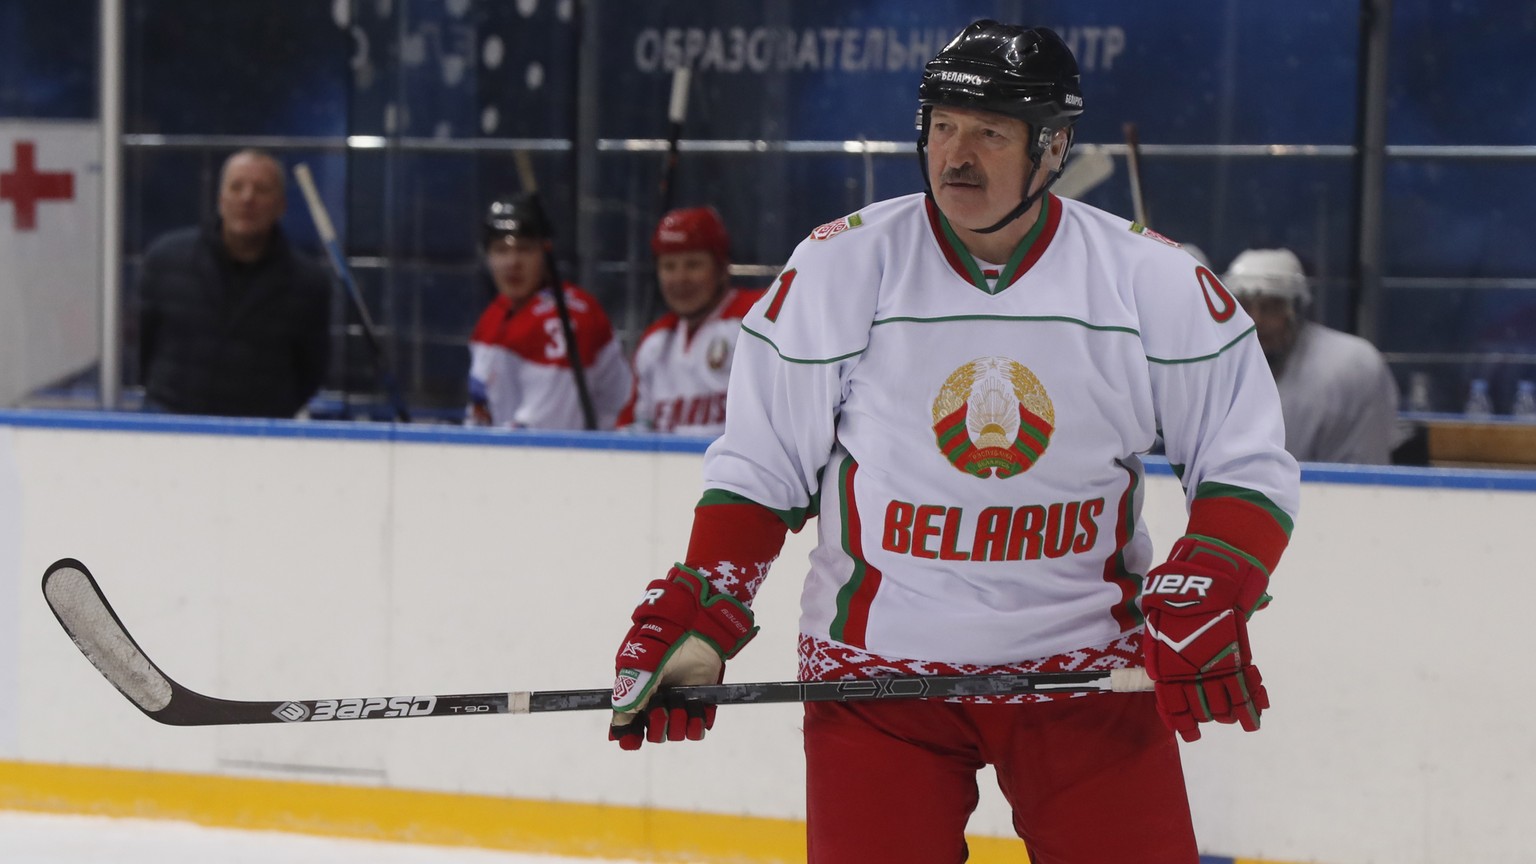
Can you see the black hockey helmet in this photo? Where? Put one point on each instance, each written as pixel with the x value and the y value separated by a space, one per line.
pixel 1023 72
pixel 1027 73
pixel 520 216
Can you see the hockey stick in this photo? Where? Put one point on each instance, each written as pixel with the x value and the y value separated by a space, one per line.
pixel 530 183
pixel 327 232
pixel 1133 163
pixel 1088 168
pixel 677 112
pixel 82 610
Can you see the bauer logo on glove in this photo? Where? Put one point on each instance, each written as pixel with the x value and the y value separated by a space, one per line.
pixel 1196 646
pixel 1176 583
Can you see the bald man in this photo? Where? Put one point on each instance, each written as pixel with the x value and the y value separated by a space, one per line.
pixel 233 320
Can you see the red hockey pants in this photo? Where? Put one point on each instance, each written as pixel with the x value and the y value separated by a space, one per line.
pixel 1091 780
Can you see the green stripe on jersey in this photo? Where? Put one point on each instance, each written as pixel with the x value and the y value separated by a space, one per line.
pixel 1211 356
pixel 788 359
pixel 1211 489
pixel 941 319
pixel 794 517
pixel 1010 270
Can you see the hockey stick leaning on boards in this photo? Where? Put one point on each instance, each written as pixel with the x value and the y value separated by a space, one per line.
pixel 328 238
pixel 530 183
pixel 85 614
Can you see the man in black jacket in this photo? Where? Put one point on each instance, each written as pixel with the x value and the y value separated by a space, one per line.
pixel 234 321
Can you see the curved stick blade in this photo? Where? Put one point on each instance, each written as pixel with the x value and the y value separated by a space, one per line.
pixel 83 612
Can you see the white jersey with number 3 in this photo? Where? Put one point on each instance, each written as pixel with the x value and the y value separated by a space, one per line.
pixel 969 434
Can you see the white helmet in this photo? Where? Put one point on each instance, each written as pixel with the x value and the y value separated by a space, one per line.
pixel 1268 272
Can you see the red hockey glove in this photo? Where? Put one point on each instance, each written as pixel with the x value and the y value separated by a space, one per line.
pixel 1197 607
pixel 683 634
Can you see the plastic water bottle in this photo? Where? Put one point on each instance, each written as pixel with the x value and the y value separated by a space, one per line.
pixel 1524 406
pixel 1479 405
pixel 1418 401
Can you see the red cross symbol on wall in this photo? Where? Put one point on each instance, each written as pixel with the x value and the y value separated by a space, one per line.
pixel 25 186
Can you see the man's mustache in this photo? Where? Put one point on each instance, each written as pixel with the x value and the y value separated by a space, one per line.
pixel 966 174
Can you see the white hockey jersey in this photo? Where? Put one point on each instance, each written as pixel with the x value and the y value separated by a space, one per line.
pixel 681 377
pixel 520 372
pixel 969 434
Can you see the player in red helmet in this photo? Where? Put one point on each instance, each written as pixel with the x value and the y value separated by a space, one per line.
pixel 683 361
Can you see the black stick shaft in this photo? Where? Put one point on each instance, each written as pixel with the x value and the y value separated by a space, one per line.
pixel 557 289
pixel 572 350
pixel 189 708
pixel 84 613
pixel 677 113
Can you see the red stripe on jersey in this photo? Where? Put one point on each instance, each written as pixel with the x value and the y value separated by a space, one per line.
pixel 1034 244
pixel 851 625
pixel 950 255
pixel 1125 612
pixel 627 413
pixel 665 324
pixel 1041 242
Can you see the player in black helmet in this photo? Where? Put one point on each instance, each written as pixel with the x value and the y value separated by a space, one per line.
pixel 1026 73
pixel 960 386
pixel 521 372
pixel 517 217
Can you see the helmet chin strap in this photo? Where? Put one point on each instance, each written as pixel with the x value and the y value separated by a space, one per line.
pixel 1024 205
pixel 1038 157
pixel 1028 199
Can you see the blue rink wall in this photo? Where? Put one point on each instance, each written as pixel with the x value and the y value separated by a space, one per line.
pixel 270 560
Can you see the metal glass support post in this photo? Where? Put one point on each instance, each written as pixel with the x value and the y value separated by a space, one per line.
pixel 110 98
pixel 1371 158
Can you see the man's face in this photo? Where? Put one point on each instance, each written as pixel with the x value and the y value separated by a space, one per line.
pixel 1274 321
pixel 977 162
pixel 251 198
pixel 516 265
pixel 691 282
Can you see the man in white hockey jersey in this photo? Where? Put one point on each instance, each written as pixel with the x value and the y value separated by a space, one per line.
pixel 960 385
pixel 1336 390
pixel 683 361
pixel 520 370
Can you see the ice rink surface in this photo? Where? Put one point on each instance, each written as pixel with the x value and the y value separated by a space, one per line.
pixel 35 838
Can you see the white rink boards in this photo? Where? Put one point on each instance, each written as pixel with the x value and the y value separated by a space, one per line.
pixel 271 561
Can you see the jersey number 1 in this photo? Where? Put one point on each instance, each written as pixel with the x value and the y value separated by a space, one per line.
pixel 785 278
